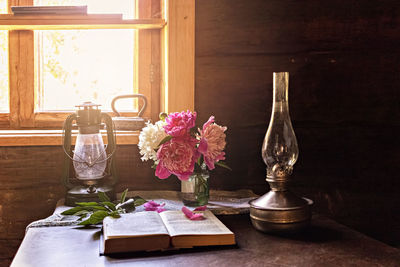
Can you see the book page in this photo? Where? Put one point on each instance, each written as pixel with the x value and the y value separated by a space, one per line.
pixel 134 224
pixel 178 224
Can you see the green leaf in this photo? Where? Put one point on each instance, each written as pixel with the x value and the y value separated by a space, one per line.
pixel 166 139
pixel 95 218
pixel 139 201
pixel 200 160
pixel 223 164
pixel 82 212
pixel 123 196
pixel 97 208
pixel 109 205
pixel 79 208
pixel 103 196
pixel 115 214
pixel 72 211
pixel 85 204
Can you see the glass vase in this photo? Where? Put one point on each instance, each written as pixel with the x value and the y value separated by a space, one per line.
pixel 195 191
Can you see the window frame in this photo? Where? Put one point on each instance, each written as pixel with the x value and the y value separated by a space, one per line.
pixel 165 73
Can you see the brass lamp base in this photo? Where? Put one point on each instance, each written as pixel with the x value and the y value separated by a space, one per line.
pixel 280 211
pixel 87 194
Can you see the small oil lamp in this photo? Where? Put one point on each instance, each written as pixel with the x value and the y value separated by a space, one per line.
pixel 280 210
pixel 93 162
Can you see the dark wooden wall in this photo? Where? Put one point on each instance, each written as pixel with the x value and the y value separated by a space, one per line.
pixel 344 64
pixel 344 61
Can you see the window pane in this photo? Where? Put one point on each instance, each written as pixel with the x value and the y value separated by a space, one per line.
pixel 85 65
pixel 4 107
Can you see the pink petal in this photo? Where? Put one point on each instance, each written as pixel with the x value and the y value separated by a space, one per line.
pixel 159 209
pixel 192 216
pixel 154 206
pixel 210 120
pixel 203 146
pixel 209 163
pixel 187 212
pixel 151 203
pixel 201 208
pixel 197 216
pixel 162 172
pixel 183 177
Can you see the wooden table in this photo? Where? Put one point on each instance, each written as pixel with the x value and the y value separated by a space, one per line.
pixel 325 243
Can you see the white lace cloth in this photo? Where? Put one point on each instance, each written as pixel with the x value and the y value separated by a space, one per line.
pixel 220 203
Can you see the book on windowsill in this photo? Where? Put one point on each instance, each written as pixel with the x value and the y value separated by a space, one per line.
pixel 151 231
pixel 49 10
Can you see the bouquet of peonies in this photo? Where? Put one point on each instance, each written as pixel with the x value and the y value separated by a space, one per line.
pixel 177 147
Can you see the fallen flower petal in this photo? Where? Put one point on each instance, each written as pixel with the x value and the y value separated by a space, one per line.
pixel 192 216
pixel 197 216
pixel 154 206
pixel 201 208
pixel 159 209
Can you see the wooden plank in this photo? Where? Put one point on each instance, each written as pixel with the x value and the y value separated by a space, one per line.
pixel 26 79
pixel 76 22
pixel 148 60
pixel 268 27
pixel 8 248
pixel 144 51
pixel 4 120
pixel 21 74
pixel 55 137
pixel 49 120
pixel 13 44
pixel 164 59
pixel 155 62
pixel 42 202
pixel 155 76
pixel 178 56
pixel 12 17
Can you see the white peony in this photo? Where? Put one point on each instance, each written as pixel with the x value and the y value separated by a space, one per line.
pixel 149 139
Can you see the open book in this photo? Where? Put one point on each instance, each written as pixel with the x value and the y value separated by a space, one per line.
pixel 147 231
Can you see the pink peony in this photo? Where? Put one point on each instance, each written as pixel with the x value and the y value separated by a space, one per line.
pixel 177 157
pixel 212 142
pixel 180 123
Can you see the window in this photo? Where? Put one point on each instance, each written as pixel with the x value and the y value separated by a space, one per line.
pixel 80 65
pixel 54 64
pixel 51 71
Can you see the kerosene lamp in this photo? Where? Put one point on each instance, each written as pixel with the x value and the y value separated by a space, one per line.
pixel 280 210
pixel 92 161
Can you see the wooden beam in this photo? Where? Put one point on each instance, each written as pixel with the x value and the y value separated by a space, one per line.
pixel 55 137
pixel 98 21
pixel 149 59
pixel 178 56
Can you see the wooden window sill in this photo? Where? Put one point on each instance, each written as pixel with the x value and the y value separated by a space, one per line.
pixel 54 137
pixel 76 22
